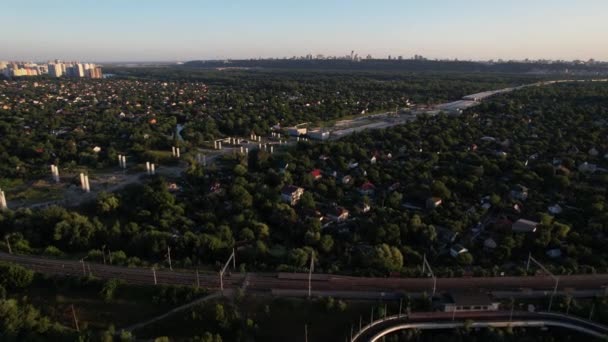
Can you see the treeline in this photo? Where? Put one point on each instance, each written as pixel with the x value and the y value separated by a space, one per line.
pixel 407 65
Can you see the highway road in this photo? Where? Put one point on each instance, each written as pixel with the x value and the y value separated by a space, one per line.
pixel 285 282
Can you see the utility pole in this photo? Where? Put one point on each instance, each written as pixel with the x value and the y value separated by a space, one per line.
pixel 360 323
pixel 555 278
pixel 154 274
pixel 169 257
pixel 306 332
pixel 75 319
pixel 8 244
pixel 425 265
pixel 512 305
pixel 400 305
pixel 232 257
pixel 310 270
pixel 103 253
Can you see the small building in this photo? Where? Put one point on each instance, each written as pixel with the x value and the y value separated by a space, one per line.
pixel 338 214
pixel 555 209
pixel 489 244
pixel 368 188
pixel 215 187
pixel 316 174
pixel 524 226
pixel 347 180
pixel 593 152
pixel 173 187
pixel 457 249
pixel 433 202
pixel 587 167
pixel 291 194
pixel 469 301
pixel 363 207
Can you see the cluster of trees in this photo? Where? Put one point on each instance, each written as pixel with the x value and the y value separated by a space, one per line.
pixel 48 121
pixel 396 64
pixel 536 137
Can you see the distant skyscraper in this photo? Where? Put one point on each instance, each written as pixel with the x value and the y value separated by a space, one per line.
pixel 79 70
pixel 55 70
pixel 94 72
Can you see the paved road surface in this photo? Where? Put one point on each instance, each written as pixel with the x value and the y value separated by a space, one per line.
pixel 447 320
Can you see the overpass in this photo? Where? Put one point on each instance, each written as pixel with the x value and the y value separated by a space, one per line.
pixel 376 330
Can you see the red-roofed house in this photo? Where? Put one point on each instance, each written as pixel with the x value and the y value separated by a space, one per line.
pixel 316 174
pixel 367 188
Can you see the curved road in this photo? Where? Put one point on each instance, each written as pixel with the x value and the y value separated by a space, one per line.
pixel 499 319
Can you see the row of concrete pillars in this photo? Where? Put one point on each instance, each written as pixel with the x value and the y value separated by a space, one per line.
pixel 122 161
pixel 175 152
pixel 2 200
pixel 84 183
pixel 55 173
pixel 150 169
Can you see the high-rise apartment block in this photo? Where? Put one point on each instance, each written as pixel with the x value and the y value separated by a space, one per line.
pixel 55 68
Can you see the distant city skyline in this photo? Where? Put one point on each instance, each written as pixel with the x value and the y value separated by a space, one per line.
pixel 156 30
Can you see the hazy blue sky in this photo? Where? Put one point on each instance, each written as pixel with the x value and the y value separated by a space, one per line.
pixel 138 30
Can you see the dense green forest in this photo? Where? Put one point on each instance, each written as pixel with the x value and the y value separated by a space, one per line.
pixel 394 64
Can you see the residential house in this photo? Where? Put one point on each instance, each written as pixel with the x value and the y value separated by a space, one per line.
pixel 347 180
pixel 489 244
pixel 291 194
pixel 524 226
pixel 316 174
pixel 368 188
pixel 593 152
pixel 338 214
pixel 555 209
pixel 519 193
pixel 363 208
pixel 457 249
pixel 433 202
pixel 587 168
